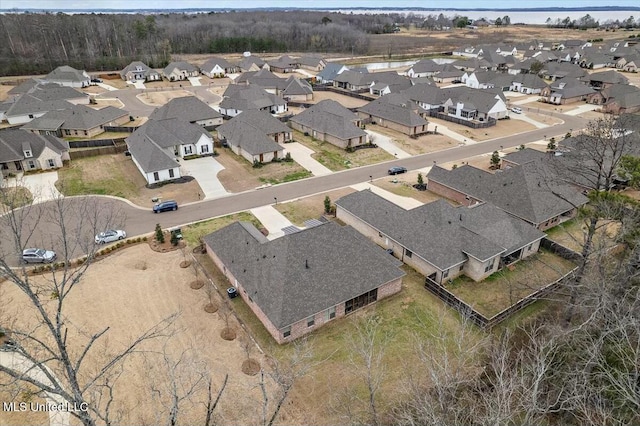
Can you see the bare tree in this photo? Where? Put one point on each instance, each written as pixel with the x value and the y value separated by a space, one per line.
pixel 62 359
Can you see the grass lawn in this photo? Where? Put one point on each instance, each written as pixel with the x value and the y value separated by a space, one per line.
pixel 14 197
pixel 404 187
pixel 506 287
pixel 335 158
pixel 192 233
pixel 101 175
pixel 571 234
pixel 408 317
pixel 309 207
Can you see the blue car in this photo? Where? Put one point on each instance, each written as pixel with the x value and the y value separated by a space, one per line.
pixel 165 206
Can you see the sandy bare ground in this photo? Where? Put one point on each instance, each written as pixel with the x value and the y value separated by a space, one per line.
pixel 149 287
pixel 421 145
pixel 161 98
pixel 345 101
pixel 4 89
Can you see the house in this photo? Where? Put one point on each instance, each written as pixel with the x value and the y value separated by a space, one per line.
pixel 396 112
pixel 604 79
pixel 474 104
pixel 296 283
pixel 139 71
pixel 424 68
pixel 329 72
pixel 23 88
pixel 596 60
pixel 529 192
pixel 479 79
pixel 355 81
pixel 629 63
pixel 263 78
pixel 621 99
pixel 217 67
pixel 448 74
pixel 41 99
pixel 284 64
pixel 474 64
pixel 426 96
pixel 255 135
pixel 77 120
pixel 556 70
pixel 156 145
pixel 180 70
pixel 566 91
pixel 522 156
pixel 383 83
pixel 312 63
pixel 237 99
pixel 297 90
pixel 252 63
pixel 439 240
pixel 330 122
pixel 188 108
pixel 68 77
pixel 529 84
pixel 25 151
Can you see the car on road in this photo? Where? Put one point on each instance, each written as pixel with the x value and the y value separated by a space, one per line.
pixel 37 255
pixel 96 80
pixel 396 170
pixel 165 206
pixel 110 236
pixel 516 110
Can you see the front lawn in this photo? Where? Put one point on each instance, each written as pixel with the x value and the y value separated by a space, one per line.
pixel 506 287
pixel 336 159
pixel 309 207
pixel 193 233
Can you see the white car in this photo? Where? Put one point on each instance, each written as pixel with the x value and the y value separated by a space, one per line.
pixel 516 110
pixel 110 236
pixel 36 255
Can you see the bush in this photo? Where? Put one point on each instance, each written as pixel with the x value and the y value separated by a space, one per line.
pixel 257 164
pixel 144 239
pixel 327 204
pixel 288 158
pixel 159 234
pixel 174 239
pixel 140 239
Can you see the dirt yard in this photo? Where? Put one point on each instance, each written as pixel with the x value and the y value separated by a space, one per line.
pixel 421 145
pixel 239 175
pixel 4 90
pixel 161 98
pixel 345 101
pixel 116 174
pixel 156 284
pixel 404 187
pixel 501 129
pixel 312 207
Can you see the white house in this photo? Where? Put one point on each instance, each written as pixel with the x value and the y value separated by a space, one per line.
pixel 69 77
pixel 179 71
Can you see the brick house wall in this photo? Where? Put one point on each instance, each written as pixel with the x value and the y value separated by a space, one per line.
pixel 300 328
pixel 325 137
pixel 450 193
pixel 407 130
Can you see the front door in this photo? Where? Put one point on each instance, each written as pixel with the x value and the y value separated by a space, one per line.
pixel 261 158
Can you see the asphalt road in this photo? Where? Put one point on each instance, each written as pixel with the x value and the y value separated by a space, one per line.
pixel 82 215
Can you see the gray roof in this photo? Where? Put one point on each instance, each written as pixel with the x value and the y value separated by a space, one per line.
pixel 530 80
pixel 248 61
pixel 13 142
pixel 250 129
pixel 440 233
pixel 310 60
pixel 482 99
pixel 295 86
pixel 298 275
pixel 133 66
pixel 245 98
pixel 529 191
pixel 215 60
pixel 426 65
pixel 330 117
pixel 67 74
pixel 78 117
pixel 25 86
pixel 388 108
pixel 354 78
pixel 180 66
pixel 330 71
pixel 426 93
pixel 187 108
pixel 610 76
pixel 263 78
pixel 28 104
pixel 149 143
pixel 523 156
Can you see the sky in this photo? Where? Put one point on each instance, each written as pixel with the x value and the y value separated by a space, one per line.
pixel 235 4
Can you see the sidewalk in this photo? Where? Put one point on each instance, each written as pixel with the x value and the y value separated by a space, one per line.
pixel 387 144
pixel 302 155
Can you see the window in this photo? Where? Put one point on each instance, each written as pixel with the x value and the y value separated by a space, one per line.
pixel 28 154
pixel 187 150
pixel 286 332
pixel 156 176
pixel 67 132
pixel 170 173
pixel 311 321
pixel 490 265
pixel 51 163
pixel 530 247
pixel 204 148
pixel 361 301
pixel 408 253
pixel 445 274
pixel 331 312
pixel 31 164
pixel 461 267
pixel 30 115
pixel 85 133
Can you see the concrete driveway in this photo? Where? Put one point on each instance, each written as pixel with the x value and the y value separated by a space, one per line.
pixel 387 144
pixel 195 81
pixel 41 185
pixel 138 84
pixel 272 219
pixel 106 87
pixel 523 117
pixel 205 171
pixel 583 108
pixel 302 155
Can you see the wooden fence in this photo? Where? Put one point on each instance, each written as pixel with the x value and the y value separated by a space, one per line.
pixel 473 124
pixel 90 148
pixel 123 129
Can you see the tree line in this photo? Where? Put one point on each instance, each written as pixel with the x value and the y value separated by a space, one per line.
pixel 37 43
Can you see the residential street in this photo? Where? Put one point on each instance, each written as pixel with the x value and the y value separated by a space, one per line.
pixel 142 221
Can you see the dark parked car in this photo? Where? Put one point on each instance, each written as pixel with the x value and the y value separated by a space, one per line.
pixel 35 255
pixel 165 206
pixel 397 170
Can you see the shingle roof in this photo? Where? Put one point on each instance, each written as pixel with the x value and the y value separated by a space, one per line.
pixel 482 99
pixel 67 73
pixel 180 66
pixel 310 60
pixel 441 234
pixel 187 108
pixel 144 68
pixel 328 116
pixel 394 111
pixel 302 274
pixel 523 156
pixel 244 98
pixel 610 76
pixel 527 191
pixel 426 65
pixel 330 71
pixel 249 131
pixel 77 117
pixel 213 61
pixel 248 61
pixel 530 80
pixel 149 142
pixel 14 141
pixel 295 86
